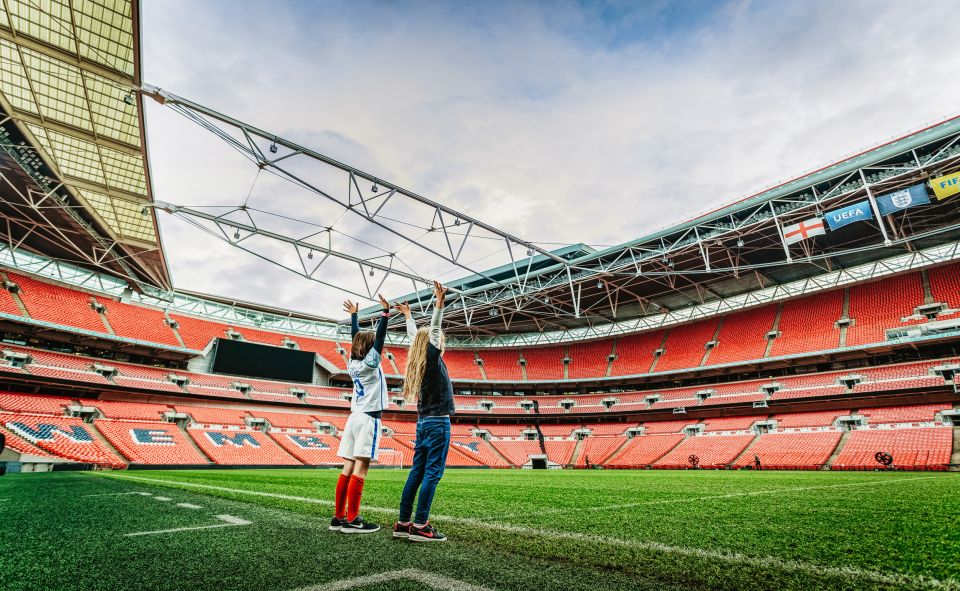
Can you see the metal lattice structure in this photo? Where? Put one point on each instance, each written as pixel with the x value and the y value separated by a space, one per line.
pixel 733 251
pixel 75 188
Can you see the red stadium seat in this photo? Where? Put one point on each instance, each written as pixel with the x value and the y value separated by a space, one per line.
pixel 635 353
pixel 150 442
pixel 875 307
pixel 138 322
pixel 63 437
pixel 793 451
pixel 251 448
pixel 742 336
pixel 923 448
pixel 686 345
pixel 643 450
pixel 714 452
pixel 56 304
pixel 809 324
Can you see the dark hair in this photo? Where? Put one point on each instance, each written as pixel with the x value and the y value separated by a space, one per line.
pixel 362 343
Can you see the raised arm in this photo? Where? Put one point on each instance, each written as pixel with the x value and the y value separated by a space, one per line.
pixel 381 335
pixel 352 308
pixel 404 308
pixel 440 294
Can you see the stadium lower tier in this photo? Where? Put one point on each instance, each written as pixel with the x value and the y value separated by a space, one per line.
pixel 44 430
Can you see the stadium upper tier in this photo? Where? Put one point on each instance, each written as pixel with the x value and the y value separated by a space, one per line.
pixel 919 306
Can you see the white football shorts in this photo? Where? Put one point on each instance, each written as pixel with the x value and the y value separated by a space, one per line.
pixel 360 437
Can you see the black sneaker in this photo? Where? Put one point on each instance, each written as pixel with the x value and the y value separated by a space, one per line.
pixel 427 533
pixel 336 524
pixel 358 526
pixel 402 531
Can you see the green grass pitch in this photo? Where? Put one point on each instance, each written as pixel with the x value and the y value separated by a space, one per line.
pixel 509 530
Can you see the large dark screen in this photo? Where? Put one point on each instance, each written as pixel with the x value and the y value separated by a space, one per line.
pixel 240 358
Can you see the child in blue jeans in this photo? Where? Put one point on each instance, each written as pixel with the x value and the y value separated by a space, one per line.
pixel 427 382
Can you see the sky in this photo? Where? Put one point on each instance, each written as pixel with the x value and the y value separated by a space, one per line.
pixel 559 122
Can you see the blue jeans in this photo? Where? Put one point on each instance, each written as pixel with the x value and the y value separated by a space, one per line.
pixel 429 460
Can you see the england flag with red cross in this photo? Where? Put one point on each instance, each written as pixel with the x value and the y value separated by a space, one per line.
pixel 806 229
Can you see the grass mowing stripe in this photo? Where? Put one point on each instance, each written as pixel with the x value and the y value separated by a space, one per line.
pixel 769 562
pixel 754 493
pixel 432 580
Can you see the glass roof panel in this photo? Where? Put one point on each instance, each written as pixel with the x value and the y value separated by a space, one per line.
pixel 124 171
pixel 41 135
pixel 124 216
pixel 58 88
pixel 76 157
pixel 105 31
pixel 45 20
pixel 58 91
pixel 133 222
pixel 13 79
pixel 101 203
pixel 112 116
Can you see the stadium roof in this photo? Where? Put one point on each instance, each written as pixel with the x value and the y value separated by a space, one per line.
pixel 76 171
pixel 715 259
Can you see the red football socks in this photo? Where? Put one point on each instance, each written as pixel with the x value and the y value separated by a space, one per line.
pixel 340 500
pixel 354 492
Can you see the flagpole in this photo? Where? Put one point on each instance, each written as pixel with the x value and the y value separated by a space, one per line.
pixel 876 210
pixel 783 241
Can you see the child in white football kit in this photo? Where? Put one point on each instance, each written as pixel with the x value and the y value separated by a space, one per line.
pixel 360 439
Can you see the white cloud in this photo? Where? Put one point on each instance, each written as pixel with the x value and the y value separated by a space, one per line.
pixel 551 123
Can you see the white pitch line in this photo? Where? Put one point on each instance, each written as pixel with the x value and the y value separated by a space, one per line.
pixel 230 520
pixel 432 580
pixel 755 493
pixel 162 499
pixel 189 506
pixel 120 494
pixel 771 562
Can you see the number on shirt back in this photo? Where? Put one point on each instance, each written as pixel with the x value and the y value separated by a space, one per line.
pixel 358 386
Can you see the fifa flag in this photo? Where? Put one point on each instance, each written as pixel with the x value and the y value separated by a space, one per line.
pixel 857 212
pixel 806 229
pixel 946 186
pixel 902 199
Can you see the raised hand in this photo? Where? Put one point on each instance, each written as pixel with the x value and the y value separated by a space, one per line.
pixel 439 292
pixel 403 307
pixel 350 307
pixel 384 303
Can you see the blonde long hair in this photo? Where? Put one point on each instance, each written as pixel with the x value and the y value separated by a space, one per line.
pixel 417 364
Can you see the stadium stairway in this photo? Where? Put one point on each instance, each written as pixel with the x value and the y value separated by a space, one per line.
pixel 193 443
pixel 623 444
pixel 745 454
pixel 845 317
pixel 572 462
pixel 774 330
pixel 477 362
pixel 92 427
pixel 493 449
pixel 836 452
pixel 16 298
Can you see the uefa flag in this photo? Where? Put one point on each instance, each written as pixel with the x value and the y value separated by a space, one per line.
pixel 806 229
pixel 857 212
pixel 902 199
pixel 946 186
